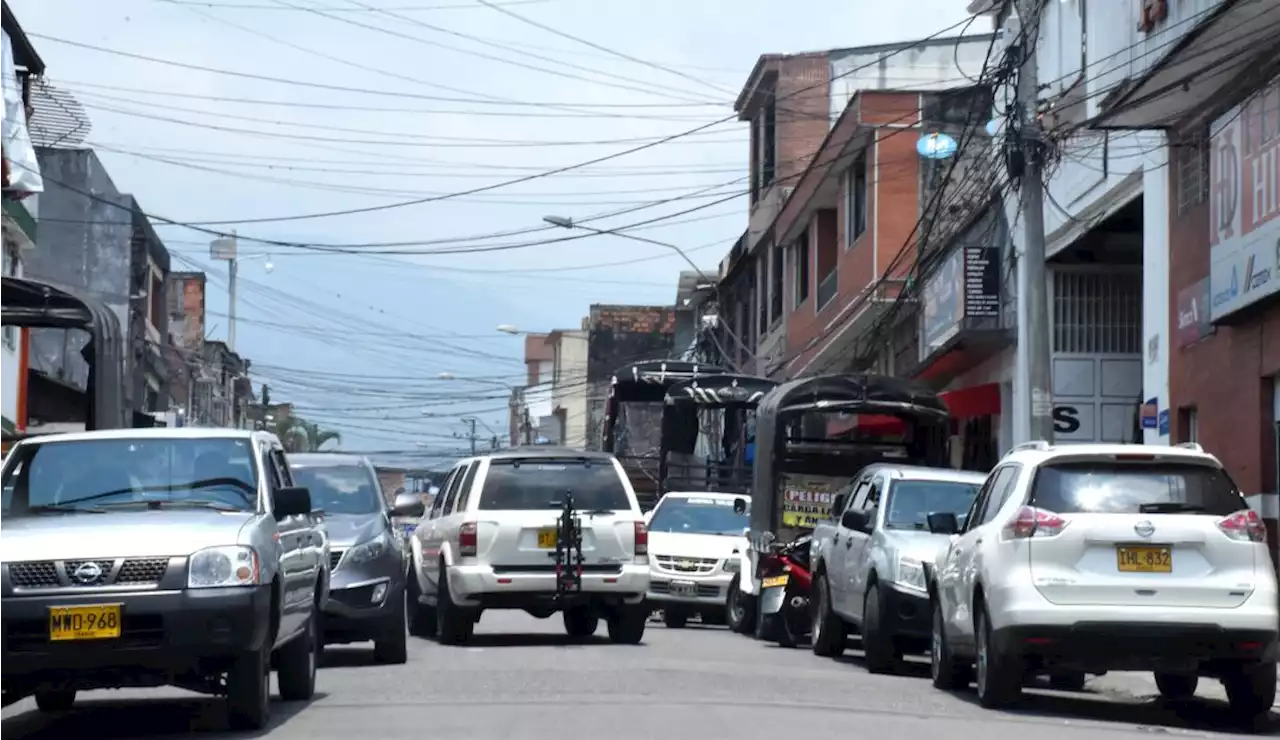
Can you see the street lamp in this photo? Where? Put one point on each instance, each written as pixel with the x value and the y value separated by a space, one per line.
pixel 226 249
pixel 508 328
pixel 568 223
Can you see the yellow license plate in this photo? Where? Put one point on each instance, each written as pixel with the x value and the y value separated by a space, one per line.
pixel 547 539
pixel 774 581
pixel 98 622
pixel 1144 559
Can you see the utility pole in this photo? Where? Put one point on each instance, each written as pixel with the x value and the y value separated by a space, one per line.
pixel 1039 372
pixel 225 248
pixel 472 436
pixel 528 427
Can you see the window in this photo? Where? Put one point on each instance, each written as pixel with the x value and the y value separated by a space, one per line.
pixel 911 501
pixel 1006 477
pixel 466 487
pixel 698 515
pixel 452 494
pixel 762 295
pixel 533 484
pixel 1192 157
pixel 155 296
pixel 828 256
pixel 1103 487
pixel 340 489
pixel 768 143
pixel 11 264
pixel 855 200
pixel 438 502
pixel 142 473
pixel 776 282
pixel 803 255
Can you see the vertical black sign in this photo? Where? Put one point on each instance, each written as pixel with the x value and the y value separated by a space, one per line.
pixel 982 282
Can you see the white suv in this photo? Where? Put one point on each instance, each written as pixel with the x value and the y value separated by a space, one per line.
pixel 1081 559
pixel 490 542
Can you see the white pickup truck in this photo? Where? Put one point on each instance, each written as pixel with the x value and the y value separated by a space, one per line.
pixel 869 559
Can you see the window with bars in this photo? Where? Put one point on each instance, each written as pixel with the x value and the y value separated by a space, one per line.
pixel 1191 155
pixel 1097 312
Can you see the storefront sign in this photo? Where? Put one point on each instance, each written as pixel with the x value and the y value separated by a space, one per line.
pixel 982 282
pixel 966 285
pixel 943 305
pixel 807 499
pixel 1194 323
pixel 1150 412
pixel 1244 223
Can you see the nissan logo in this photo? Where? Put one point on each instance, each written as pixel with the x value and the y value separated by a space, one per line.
pixel 87 572
pixel 1144 528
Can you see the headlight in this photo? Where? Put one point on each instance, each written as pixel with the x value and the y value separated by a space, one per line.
pixel 911 574
pixel 231 565
pixel 366 551
pixel 732 565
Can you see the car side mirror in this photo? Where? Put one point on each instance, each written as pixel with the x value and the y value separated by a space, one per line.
pixel 943 522
pixel 837 505
pixel 408 505
pixel 856 519
pixel 291 501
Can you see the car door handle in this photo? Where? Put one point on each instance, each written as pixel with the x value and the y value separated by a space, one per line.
pixel 978 541
pixel 848 544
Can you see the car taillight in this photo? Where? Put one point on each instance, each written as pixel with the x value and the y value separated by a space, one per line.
pixel 1033 522
pixel 642 539
pixel 467 539
pixel 1245 526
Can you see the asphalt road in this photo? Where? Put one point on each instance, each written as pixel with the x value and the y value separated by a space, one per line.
pixel 522 679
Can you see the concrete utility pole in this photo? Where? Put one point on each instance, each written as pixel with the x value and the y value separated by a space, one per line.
pixel 472 436
pixel 528 427
pixel 1039 373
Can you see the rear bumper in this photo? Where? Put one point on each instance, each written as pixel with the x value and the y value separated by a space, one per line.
pixel 1136 646
pixel 163 634
pixel 485 586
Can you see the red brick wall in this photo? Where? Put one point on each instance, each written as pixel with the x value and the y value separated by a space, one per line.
pixel 1226 376
pixel 893 209
pixel 803 111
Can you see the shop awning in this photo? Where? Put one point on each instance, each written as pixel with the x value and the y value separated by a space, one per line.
pixel 978 400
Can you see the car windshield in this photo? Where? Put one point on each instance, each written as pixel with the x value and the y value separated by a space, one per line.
pixel 97 474
pixel 1100 487
pixel 541 484
pixel 339 489
pixel 912 501
pixel 697 515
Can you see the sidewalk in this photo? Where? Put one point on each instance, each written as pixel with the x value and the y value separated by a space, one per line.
pixel 1130 685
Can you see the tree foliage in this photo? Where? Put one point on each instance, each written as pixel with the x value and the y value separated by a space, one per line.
pixel 299 435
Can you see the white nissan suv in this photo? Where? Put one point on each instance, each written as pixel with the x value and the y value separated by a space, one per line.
pixel 1078 559
pixel 490 542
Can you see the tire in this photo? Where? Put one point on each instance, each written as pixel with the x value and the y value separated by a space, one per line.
pixel 1251 689
pixel 453 625
pixel 1067 681
pixel 55 701
pixel 627 623
pixel 948 674
pixel 740 609
pixel 829 631
pixel 296 663
pixel 675 618
pixel 421 618
pixel 249 691
pixel 1177 685
pixel 791 625
pixel 999 676
pixel 580 622
pixel 877 643
pixel 393 647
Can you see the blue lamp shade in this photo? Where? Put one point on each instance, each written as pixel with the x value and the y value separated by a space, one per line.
pixel 936 146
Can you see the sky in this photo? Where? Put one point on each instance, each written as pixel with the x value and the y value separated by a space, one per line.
pixel 326 106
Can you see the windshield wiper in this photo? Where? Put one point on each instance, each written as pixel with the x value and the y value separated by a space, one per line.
pixel 64 508
pixel 241 487
pixel 1168 507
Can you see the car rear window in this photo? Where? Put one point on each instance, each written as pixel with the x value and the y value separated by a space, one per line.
pixel 526 484
pixel 1136 488
pixel 912 501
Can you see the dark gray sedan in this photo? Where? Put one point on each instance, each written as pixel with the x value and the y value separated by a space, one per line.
pixel 367 561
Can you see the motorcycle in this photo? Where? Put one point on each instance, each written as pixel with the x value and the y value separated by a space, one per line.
pixel 785 585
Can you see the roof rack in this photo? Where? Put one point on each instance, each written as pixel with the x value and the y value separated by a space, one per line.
pixel 1038 445
pixel 1193 446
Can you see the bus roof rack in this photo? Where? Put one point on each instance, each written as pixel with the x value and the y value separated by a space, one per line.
pixel 1038 445
pixel 1193 446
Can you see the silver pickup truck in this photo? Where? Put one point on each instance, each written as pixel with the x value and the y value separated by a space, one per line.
pixel 150 557
pixel 869 559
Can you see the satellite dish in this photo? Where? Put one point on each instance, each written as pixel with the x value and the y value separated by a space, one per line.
pixel 936 146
